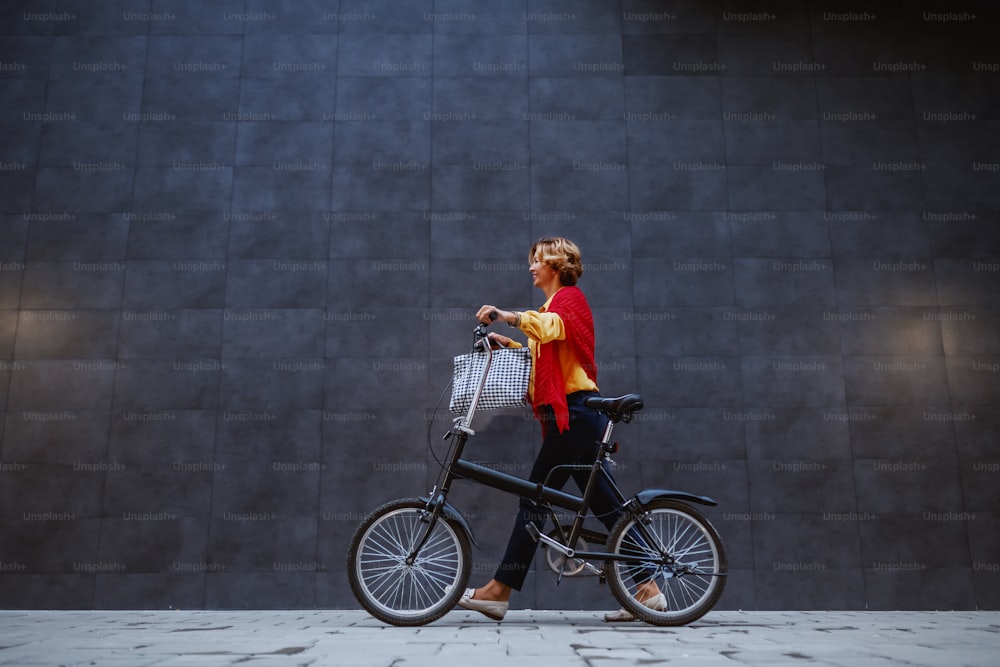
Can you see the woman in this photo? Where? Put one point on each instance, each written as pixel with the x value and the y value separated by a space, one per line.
pixel 561 337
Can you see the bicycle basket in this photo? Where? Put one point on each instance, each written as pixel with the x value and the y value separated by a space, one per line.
pixel 506 385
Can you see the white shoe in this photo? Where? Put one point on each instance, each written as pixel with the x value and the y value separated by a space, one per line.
pixel 656 603
pixel 490 608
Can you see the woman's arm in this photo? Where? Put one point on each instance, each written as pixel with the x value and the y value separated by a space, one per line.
pixel 543 327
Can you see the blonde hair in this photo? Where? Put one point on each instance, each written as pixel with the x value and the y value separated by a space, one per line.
pixel 561 255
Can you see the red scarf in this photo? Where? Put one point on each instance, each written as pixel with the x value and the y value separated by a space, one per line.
pixel 550 385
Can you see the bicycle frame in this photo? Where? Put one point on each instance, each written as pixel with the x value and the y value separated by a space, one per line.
pixel 545 496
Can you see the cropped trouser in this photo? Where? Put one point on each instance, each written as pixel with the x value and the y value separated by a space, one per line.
pixel 575 446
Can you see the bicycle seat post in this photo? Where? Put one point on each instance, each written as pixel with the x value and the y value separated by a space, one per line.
pixel 606 438
pixel 596 469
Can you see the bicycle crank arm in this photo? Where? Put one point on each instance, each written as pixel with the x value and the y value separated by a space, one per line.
pixel 537 536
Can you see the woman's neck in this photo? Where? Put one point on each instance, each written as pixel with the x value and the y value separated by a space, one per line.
pixel 549 290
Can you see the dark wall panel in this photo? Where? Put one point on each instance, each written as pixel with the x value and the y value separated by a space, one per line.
pixel 240 243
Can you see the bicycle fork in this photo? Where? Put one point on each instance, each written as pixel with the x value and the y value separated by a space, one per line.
pixel 437 499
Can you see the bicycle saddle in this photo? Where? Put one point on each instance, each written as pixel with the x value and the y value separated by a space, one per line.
pixel 616 409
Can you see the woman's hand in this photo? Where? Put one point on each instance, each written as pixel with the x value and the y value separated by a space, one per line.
pixel 483 315
pixel 498 341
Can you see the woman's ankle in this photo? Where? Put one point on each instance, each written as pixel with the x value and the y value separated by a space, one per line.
pixel 647 591
pixel 493 591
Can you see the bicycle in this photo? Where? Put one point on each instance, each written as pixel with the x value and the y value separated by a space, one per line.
pixel 409 561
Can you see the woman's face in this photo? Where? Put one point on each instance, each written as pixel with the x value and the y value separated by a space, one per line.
pixel 543 275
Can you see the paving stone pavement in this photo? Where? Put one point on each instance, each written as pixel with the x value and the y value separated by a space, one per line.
pixel 525 638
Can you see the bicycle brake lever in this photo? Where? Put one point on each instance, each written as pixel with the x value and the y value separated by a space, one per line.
pixel 480 331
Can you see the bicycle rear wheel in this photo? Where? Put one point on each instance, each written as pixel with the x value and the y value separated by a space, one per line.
pixel 401 593
pixel 691 568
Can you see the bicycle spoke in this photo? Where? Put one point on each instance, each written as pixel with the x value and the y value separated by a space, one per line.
pixel 421 586
pixel 390 544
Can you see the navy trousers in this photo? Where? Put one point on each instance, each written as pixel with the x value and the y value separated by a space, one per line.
pixel 576 446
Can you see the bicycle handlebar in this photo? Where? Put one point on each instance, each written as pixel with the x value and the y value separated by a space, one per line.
pixel 480 330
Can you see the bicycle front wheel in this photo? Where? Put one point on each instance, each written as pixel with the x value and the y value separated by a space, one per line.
pixel 681 553
pixel 396 585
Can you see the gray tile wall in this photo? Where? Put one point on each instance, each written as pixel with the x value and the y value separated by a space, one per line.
pixel 240 242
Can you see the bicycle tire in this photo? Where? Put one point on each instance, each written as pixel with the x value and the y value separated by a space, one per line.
pixel 401 594
pixel 691 540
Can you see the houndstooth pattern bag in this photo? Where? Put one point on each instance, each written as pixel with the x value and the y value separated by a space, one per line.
pixel 506 385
